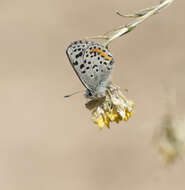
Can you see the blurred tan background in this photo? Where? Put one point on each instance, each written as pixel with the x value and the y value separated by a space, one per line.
pixel 48 142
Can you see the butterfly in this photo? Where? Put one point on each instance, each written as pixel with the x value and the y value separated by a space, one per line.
pixel 92 63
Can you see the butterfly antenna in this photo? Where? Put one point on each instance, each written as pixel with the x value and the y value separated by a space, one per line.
pixel 69 95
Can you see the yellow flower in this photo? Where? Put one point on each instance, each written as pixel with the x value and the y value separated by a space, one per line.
pixel 106 121
pixel 100 122
pixel 114 107
pixel 111 116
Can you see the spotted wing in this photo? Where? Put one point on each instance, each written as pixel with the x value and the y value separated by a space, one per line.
pixel 75 52
pixel 98 65
pixel 92 63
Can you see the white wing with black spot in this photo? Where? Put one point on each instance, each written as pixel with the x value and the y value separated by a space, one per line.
pixel 75 53
pixel 99 63
pixel 92 63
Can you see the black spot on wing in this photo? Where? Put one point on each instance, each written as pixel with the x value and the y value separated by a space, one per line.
pixel 78 55
pixel 95 66
pixel 111 62
pixel 75 63
pixel 82 66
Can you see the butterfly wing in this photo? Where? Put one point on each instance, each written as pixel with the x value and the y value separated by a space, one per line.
pixel 92 63
pixel 99 63
pixel 75 52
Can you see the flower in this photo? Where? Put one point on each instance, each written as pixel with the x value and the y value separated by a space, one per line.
pixel 113 107
pixel 171 139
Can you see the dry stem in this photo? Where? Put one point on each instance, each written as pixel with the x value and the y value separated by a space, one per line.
pixel 140 17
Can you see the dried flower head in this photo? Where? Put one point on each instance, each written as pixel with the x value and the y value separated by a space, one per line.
pixel 113 107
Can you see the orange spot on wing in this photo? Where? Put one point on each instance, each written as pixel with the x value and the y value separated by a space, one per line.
pixel 101 53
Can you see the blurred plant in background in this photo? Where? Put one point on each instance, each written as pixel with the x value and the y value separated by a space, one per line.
pixel 170 139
